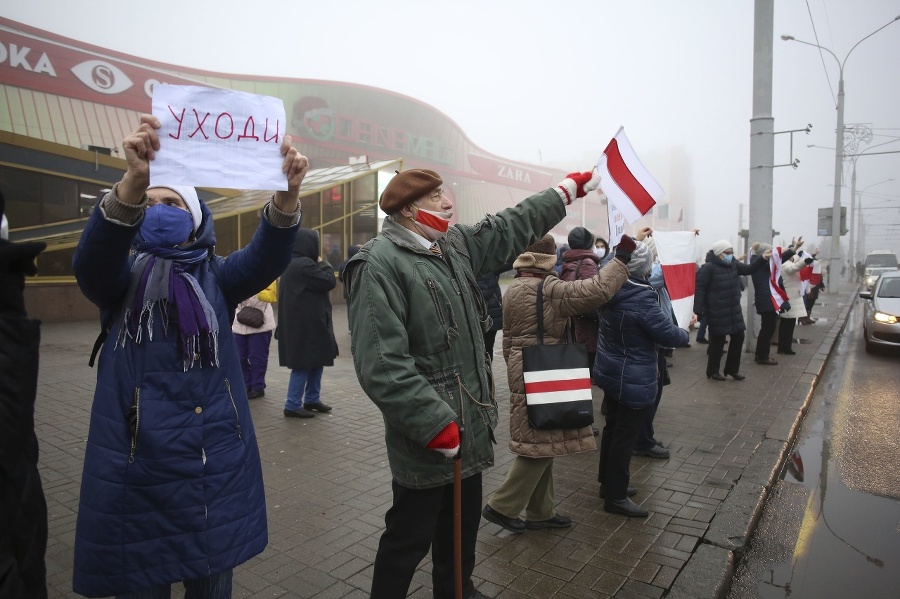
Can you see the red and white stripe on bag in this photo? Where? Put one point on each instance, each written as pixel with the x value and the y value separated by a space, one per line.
pixel 558 386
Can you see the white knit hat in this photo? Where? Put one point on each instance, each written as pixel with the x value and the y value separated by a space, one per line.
pixel 720 246
pixel 191 199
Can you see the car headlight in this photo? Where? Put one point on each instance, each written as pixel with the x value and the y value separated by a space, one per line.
pixel 885 318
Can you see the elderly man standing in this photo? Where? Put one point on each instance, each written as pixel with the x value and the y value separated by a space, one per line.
pixel 417 320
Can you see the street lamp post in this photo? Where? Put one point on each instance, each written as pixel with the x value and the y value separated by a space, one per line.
pixel 835 257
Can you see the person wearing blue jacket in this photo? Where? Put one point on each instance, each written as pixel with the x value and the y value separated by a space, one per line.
pixel 633 327
pixel 172 487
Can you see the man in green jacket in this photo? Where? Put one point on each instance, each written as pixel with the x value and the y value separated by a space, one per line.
pixel 417 320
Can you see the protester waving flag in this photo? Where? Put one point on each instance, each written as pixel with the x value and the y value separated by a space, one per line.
pixel 779 295
pixel 627 184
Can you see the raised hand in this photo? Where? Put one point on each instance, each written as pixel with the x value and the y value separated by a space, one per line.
pixel 140 147
pixel 294 167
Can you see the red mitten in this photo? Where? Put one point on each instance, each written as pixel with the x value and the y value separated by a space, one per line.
pixel 446 441
pixel 577 185
pixel 626 244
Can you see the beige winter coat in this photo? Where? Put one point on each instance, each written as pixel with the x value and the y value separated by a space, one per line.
pixel 562 299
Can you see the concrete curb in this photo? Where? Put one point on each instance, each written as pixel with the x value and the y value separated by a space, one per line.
pixel 709 570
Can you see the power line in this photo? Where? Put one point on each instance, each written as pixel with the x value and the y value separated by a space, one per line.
pixel 821 56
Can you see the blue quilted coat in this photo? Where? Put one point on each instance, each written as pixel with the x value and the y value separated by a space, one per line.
pixel 632 325
pixel 178 494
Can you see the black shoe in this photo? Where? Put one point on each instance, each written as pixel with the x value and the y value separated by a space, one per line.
pixel 702 341
pixel 656 452
pixel 686 345
pixel 301 413
pixel 255 393
pixel 735 376
pixel 625 507
pixel 478 595
pixel 715 376
pixel 595 431
pixel 630 492
pixel 556 521
pixel 317 407
pixel 789 352
pixel 515 525
pixel 669 365
pixel 767 362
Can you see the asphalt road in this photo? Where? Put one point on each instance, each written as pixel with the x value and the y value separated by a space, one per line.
pixel 831 527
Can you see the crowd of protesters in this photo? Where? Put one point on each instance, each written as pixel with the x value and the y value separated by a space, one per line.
pixel 168 304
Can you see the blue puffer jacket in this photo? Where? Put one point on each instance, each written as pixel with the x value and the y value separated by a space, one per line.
pixel 632 325
pixel 179 494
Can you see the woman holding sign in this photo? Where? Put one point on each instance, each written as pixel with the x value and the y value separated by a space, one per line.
pixel 172 487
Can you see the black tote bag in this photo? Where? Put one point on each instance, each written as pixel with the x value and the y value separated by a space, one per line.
pixel 557 380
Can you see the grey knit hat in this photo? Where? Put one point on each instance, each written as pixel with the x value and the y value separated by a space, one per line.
pixel 641 260
pixel 581 239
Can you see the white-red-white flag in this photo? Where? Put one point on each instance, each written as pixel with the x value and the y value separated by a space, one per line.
pixel 677 250
pixel 779 295
pixel 625 181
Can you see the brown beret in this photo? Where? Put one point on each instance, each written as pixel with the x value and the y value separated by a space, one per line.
pixel 408 186
pixel 545 245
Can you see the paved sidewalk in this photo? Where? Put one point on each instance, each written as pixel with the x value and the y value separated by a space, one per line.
pixel 328 483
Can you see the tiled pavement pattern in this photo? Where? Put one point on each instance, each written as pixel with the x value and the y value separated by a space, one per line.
pixel 328 484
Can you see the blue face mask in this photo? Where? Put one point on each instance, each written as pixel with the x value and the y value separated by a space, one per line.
pixel 166 226
pixel 727 258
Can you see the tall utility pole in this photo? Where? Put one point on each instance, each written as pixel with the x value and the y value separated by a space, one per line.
pixel 762 140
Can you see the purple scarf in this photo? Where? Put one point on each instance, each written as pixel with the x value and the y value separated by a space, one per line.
pixel 160 284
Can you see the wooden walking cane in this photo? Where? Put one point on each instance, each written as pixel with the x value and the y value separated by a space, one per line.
pixel 457 519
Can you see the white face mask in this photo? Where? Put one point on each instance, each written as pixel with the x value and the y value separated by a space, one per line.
pixel 434 224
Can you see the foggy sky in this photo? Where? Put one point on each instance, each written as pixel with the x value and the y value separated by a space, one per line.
pixel 551 82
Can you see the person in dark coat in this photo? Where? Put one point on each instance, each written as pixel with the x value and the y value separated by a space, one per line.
pixel 306 342
pixel 762 301
pixel 633 327
pixel 718 298
pixel 23 509
pixel 489 284
pixel 172 487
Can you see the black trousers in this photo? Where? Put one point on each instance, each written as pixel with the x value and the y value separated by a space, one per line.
pixel 423 518
pixel 715 351
pixel 489 339
pixel 809 300
pixel 786 334
pixel 616 443
pixel 767 321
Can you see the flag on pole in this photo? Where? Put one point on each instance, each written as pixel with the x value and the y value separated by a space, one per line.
pixel 676 251
pixel 625 181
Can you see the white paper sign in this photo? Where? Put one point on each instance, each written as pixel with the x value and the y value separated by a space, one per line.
pixel 218 138
pixel 616 223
